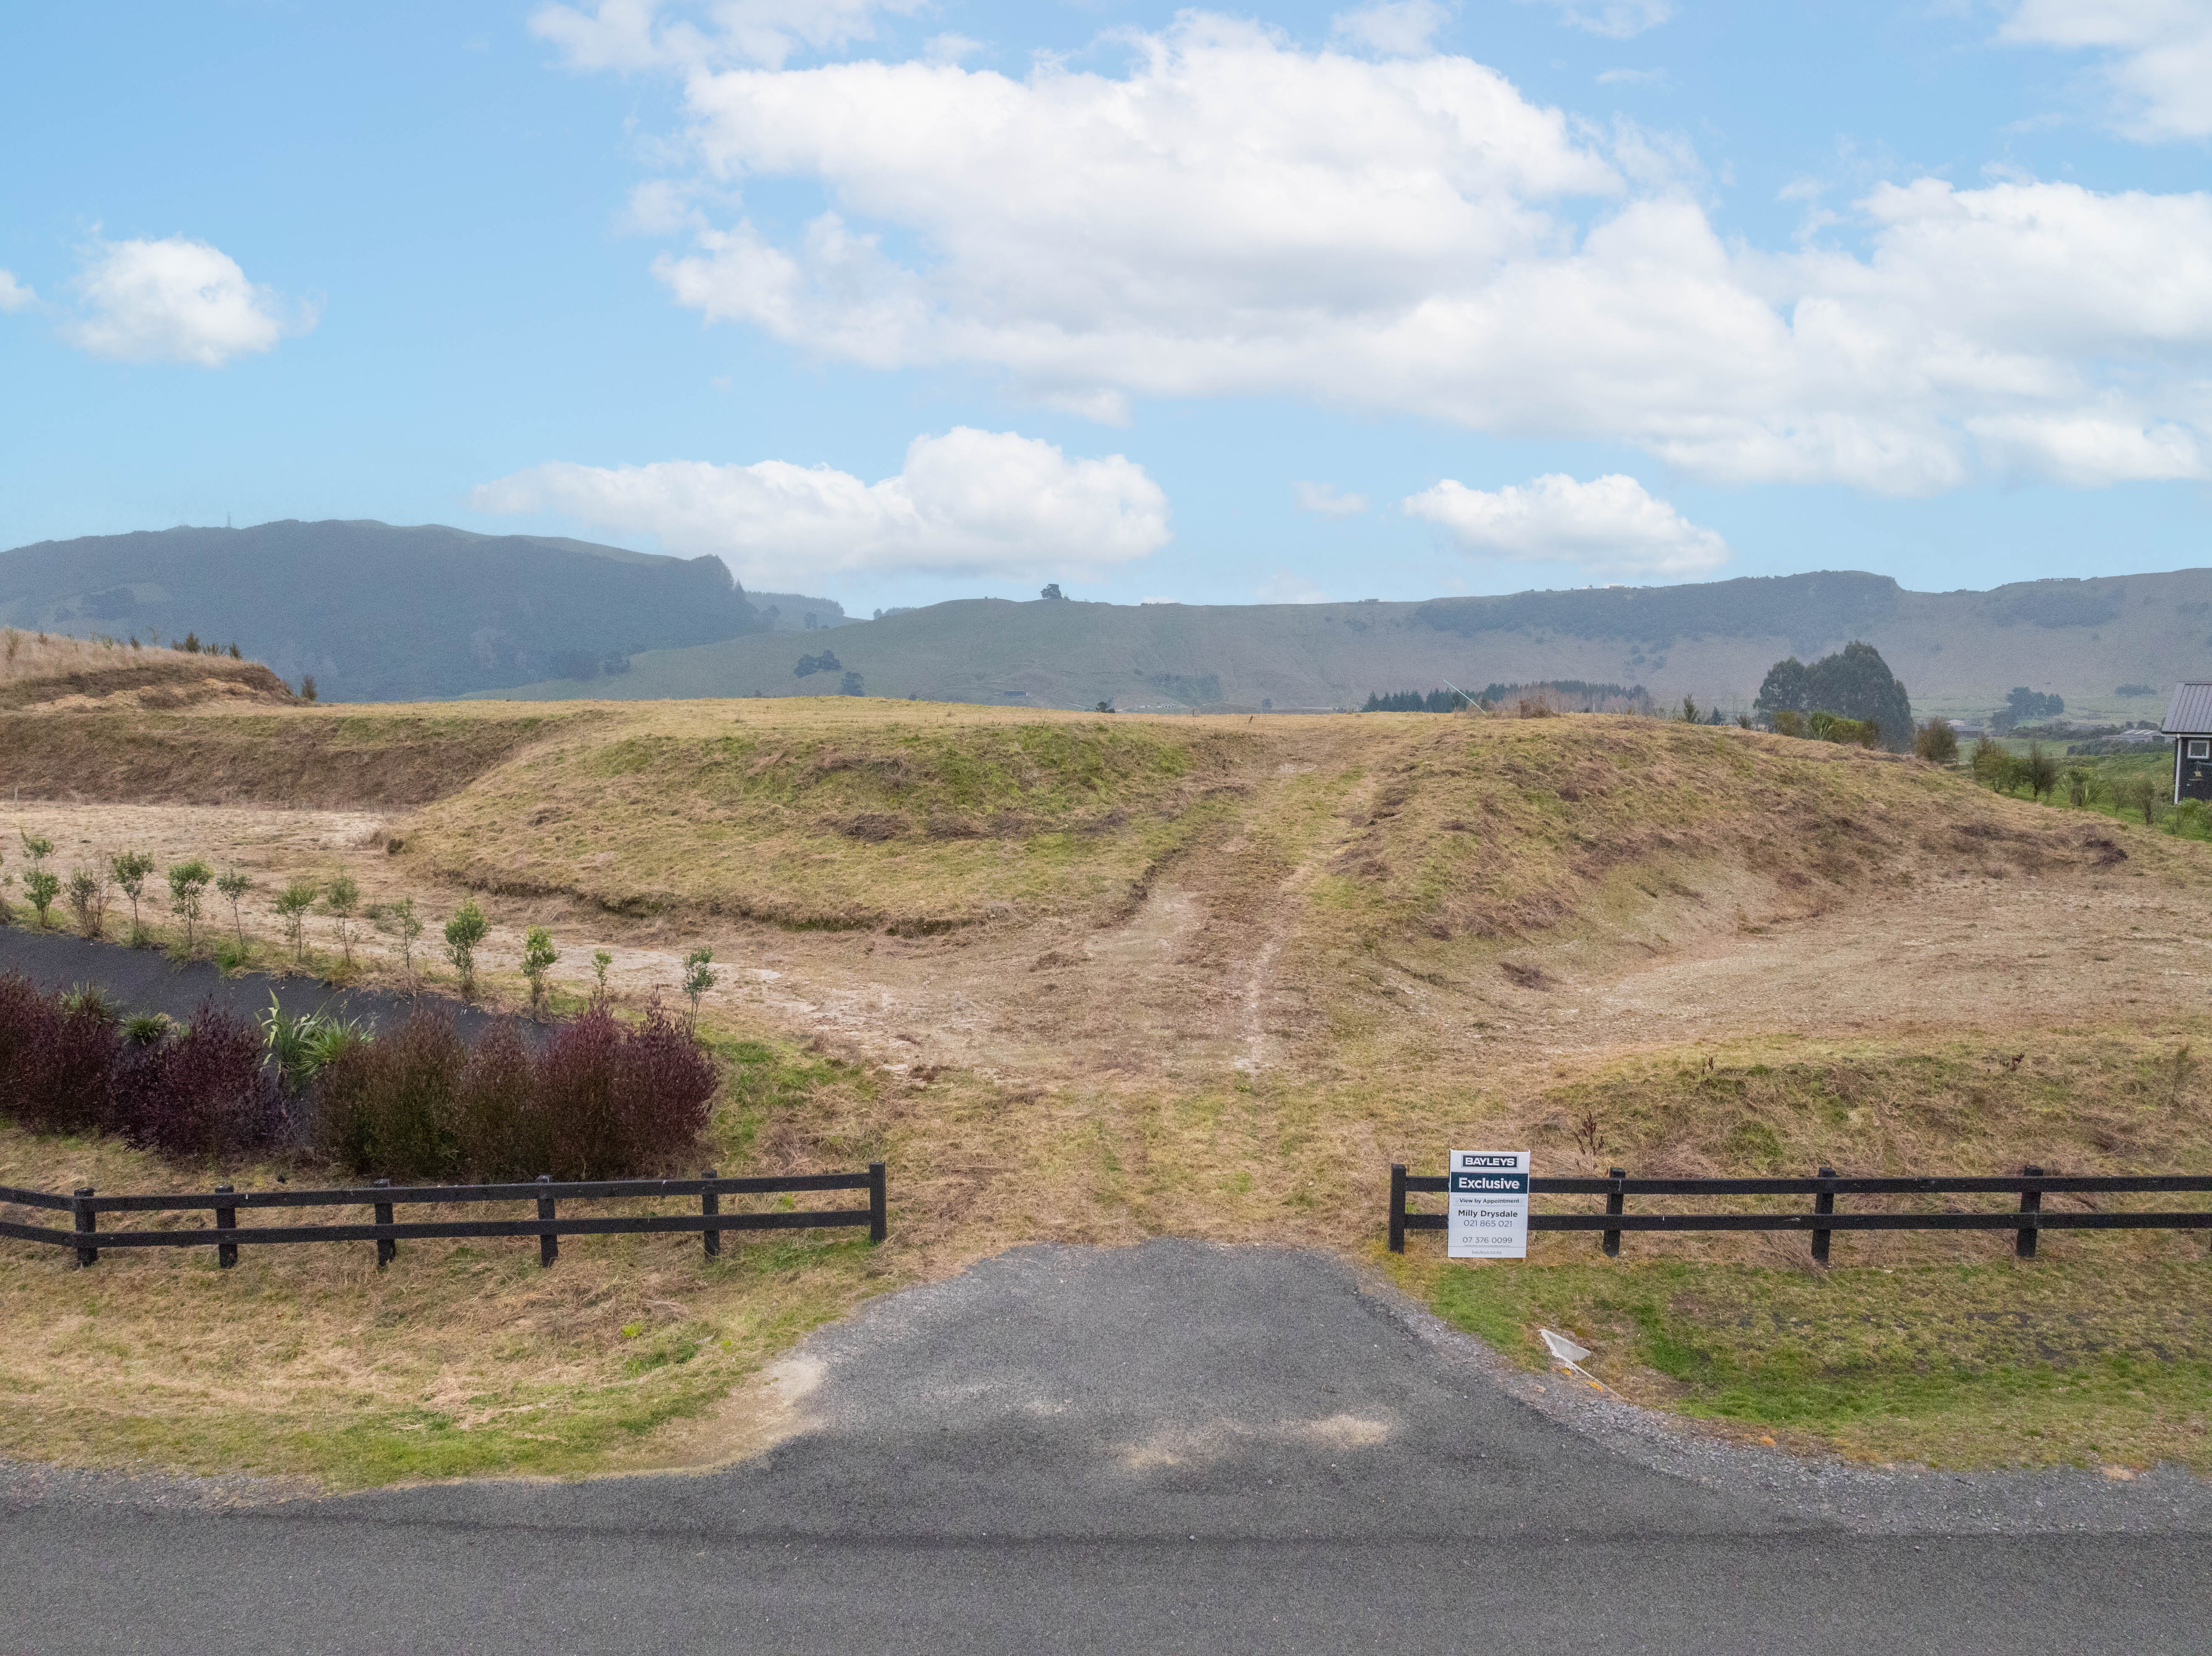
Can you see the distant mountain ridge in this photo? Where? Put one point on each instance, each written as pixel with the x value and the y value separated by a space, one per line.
pixel 1956 652
pixel 380 613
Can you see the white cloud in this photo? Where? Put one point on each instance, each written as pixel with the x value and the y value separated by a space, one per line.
pixel 1322 500
pixel 969 502
pixel 1630 76
pixel 1398 28
pixel 13 295
pixel 2157 67
pixel 1284 587
pixel 633 34
pixel 1608 526
pixel 1616 20
pixel 176 300
pixel 1233 215
pixel 2088 449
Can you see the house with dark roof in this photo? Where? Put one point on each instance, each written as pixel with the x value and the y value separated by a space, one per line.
pixel 2188 722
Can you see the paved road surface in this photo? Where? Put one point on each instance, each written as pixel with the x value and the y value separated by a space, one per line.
pixel 147 980
pixel 1172 1447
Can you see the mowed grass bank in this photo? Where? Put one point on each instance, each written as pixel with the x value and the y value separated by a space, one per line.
pixel 842 813
pixel 1504 827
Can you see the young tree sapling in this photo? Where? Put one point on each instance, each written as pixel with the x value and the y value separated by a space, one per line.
pixel 538 955
pixel 292 905
pixel 131 869
pixel 188 883
pixel 463 932
pixel 343 898
pixel 401 921
pixel 235 884
pixel 698 976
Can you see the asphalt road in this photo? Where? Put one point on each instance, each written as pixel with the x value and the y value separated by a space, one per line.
pixel 147 980
pixel 1172 1447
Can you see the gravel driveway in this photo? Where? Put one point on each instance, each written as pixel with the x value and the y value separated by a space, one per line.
pixel 1175 1447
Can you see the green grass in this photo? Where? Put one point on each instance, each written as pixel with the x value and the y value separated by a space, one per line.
pixel 2062 1360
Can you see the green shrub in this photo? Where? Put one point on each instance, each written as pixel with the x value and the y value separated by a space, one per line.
pixel 130 870
pixel 343 898
pixel 1937 742
pixel 292 903
pixel 188 884
pixel 42 886
pixel 391 1107
pixel 2039 771
pixel 234 886
pixel 698 977
pixel 538 955
pixel 463 932
pixel 87 901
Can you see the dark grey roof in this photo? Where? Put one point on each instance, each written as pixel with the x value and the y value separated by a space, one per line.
pixel 2190 712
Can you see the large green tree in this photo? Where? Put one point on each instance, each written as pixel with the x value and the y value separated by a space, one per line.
pixel 1855 683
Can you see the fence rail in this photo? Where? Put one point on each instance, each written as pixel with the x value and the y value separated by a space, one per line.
pixel 2032 1184
pixel 226 1235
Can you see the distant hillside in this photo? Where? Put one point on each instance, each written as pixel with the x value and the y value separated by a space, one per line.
pixel 1957 653
pixel 789 612
pixel 377 612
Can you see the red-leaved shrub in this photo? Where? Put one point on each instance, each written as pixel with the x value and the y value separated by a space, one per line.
pixel 393 1104
pixel 206 1091
pixel 601 1101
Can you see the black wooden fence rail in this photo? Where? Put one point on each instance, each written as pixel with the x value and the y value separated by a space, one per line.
pixel 226 1234
pixel 2032 1184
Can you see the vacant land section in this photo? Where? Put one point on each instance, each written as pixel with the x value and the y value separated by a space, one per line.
pixel 1096 979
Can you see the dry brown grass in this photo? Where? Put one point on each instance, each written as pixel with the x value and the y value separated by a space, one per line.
pixel 1205 977
pixel 54 672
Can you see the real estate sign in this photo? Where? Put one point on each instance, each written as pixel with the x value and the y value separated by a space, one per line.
pixel 1489 1204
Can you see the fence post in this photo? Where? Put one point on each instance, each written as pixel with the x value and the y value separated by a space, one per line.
pixel 87 1222
pixel 1825 1202
pixel 226 1253
pixel 710 1203
pixel 1612 1204
pixel 1397 1207
pixel 2031 1201
pixel 548 1245
pixel 386 1249
pixel 879 1204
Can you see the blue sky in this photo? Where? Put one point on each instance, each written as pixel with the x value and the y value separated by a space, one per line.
pixel 903 301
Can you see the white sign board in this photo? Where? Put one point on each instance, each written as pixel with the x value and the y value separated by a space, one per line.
pixel 1489 1204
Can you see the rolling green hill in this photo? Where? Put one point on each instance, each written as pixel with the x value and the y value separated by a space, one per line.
pixel 375 612
pixel 1957 653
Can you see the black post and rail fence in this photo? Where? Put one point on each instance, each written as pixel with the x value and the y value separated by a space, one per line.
pixel 226 1235
pixel 2030 1185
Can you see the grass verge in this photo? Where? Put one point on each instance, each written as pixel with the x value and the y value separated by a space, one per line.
pixel 2062 1360
pixel 462 1358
